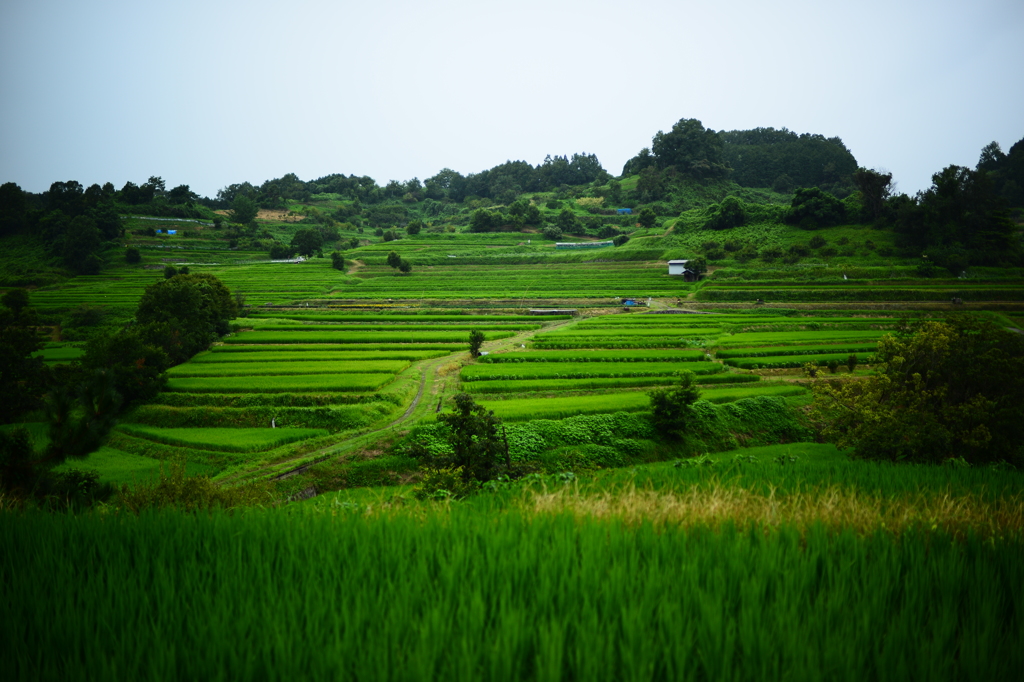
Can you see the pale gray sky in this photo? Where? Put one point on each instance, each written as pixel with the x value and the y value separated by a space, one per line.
pixel 220 91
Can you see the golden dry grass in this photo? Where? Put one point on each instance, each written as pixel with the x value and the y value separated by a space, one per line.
pixel 833 507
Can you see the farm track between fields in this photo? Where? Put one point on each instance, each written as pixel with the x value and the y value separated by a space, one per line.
pixel 429 369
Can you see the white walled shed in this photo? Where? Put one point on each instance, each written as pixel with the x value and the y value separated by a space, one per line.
pixel 677 267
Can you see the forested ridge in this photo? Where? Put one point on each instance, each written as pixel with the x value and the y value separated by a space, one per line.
pixel 735 177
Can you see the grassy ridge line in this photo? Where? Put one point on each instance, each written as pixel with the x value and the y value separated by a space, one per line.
pixel 784 361
pixel 369 328
pixel 282 368
pixel 398 317
pixel 280 384
pixel 544 385
pixel 862 294
pixel 427 350
pixel 634 401
pixel 277 354
pixel 768 351
pixel 595 356
pixel 320 336
pixel 334 418
pixel 222 439
pixel 581 370
pixel 798 338
pixel 621 331
pixel 620 342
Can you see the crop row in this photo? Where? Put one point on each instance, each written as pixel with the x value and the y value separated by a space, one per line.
pixel 221 439
pixel 388 351
pixel 277 354
pixel 574 342
pixel 784 361
pixel 535 385
pixel 595 356
pixel 224 369
pixel 281 384
pixel 751 339
pixel 617 332
pixel 524 409
pixel 331 417
pixel 814 349
pixel 377 318
pixel 348 337
pixel 1011 293
pixel 361 329
pixel 582 370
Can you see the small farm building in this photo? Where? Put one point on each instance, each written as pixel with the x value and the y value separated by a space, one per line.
pixel 679 267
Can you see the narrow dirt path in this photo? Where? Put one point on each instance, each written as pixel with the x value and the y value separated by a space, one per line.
pixel 412 413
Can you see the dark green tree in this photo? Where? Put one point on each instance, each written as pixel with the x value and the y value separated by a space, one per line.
pixel 281 251
pixel 567 221
pixel 875 188
pixel 80 417
pixel 730 213
pixel 473 436
pixel 82 246
pixel 132 255
pixel 243 210
pixel 22 377
pixel 961 213
pixel 476 339
pixel 941 390
pixel 552 232
pixel 672 407
pixel 337 261
pixel 404 266
pixel 812 208
pixel 647 218
pixel 184 314
pixel 15 300
pixel 480 221
pixel 134 365
pixel 307 241
pixel 414 227
pixel 13 209
pixel 393 259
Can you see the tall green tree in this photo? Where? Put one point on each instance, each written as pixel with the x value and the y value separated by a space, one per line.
pixel 875 188
pixel 960 213
pixel 473 435
pixel 307 241
pixel 184 314
pixel 243 210
pixel 672 407
pixel 476 339
pixel 941 390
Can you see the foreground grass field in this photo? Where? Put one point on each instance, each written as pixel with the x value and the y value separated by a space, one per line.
pixel 785 562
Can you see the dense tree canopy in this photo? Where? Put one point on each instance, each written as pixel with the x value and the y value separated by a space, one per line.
pixel 761 156
pixel 960 220
pixel 812 208
pixel 1006 170
pixel 689 147
pixel 942 390
pixel 185 313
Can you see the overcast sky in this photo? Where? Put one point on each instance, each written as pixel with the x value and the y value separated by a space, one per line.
pixel 218 92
